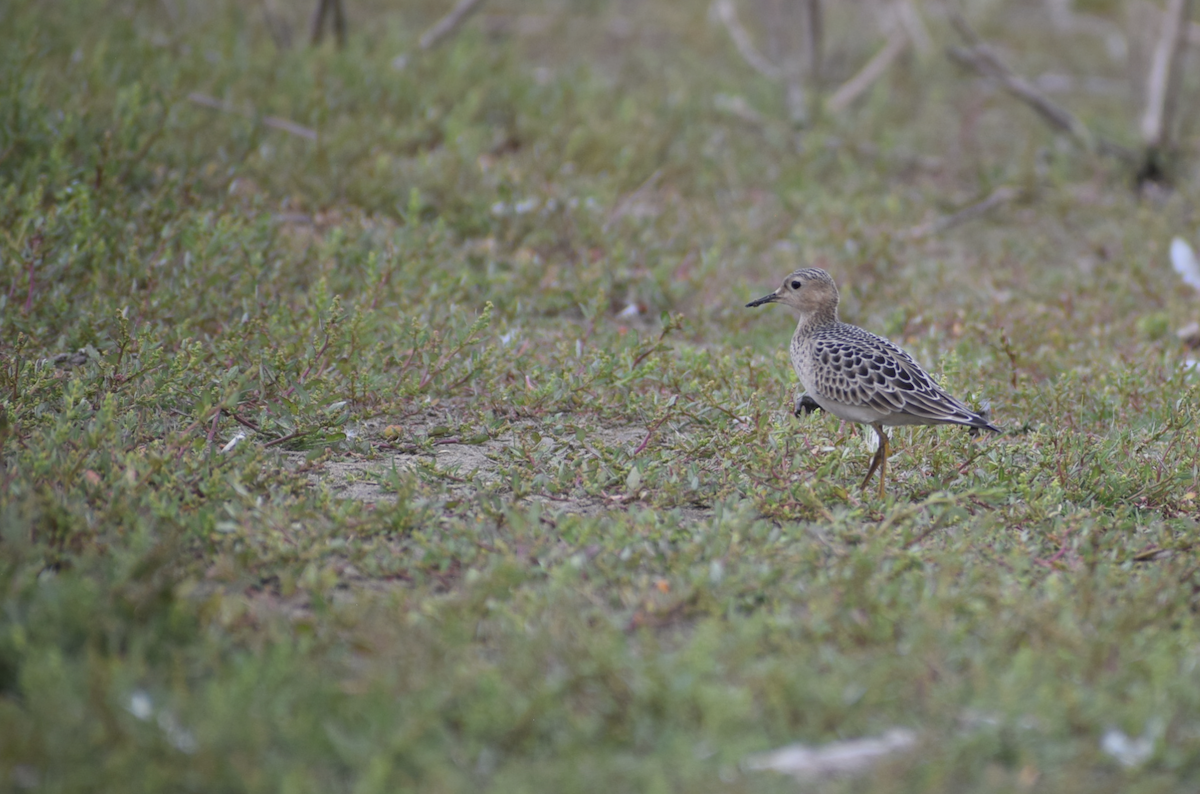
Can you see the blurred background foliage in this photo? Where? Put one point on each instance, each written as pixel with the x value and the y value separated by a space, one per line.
pixel 375 417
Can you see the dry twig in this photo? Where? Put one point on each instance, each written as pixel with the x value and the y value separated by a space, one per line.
pixel 910 19
pixel 1162 85
pixel 875 68
pixel 204 100
pixel 1067 19
pixel 814 39
pixel 281 32
pixel 627 201
pixel 999 197
pixel 326 9
pixel 907 29
pixel 984 60
pixel 726 12
pixel 449 23
pixel 736 105
pixel 287 438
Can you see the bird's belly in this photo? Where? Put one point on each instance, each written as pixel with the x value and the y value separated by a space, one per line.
pixel 867 415
pixel 864 414
pixel 901 418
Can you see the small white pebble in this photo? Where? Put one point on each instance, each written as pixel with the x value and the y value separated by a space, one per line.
pixel 140 705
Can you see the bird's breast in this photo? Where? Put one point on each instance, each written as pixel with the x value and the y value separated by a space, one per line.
pixel 801 354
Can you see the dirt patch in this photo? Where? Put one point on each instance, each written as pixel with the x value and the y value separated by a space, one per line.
pixel 362 480
pixel 465 464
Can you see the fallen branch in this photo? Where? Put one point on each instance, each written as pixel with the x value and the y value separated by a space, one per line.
pixel 1145 8
pixel 204 100
pixel 287 438
pixel 875 68
pixel 1162 85
pixel 281 32
pixel 326 9
pixel 449 23
pixel 814 50
pixel 999 197
pixel 35 247
pixel 737 105
pixel 910 19
pixel 212 430
pixel 726 12
pixel 813 764
pixel 244 422
pixel 984 60
pixel 1155 553
pixel 627 201
pixel 1066 19
pixel 814 37
pixel 654 427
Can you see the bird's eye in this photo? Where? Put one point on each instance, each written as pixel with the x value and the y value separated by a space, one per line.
pixel 796 285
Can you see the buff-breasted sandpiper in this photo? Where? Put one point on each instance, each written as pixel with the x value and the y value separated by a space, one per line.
pixel 856 375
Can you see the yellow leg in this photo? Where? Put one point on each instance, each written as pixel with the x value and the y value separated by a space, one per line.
pixel 884 446
pixel 878 461
pixel 871 470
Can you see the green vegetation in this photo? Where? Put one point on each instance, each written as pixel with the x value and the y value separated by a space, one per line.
pixel 491 529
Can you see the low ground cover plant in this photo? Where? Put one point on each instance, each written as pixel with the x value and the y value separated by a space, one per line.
pixel 373 423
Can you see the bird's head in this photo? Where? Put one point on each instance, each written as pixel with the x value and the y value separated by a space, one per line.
pixel 808 291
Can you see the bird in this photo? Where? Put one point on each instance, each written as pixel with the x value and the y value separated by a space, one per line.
pixel 856 375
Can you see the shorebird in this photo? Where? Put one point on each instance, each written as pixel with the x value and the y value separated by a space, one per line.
pixel 856 375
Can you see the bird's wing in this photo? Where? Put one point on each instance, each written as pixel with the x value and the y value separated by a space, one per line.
pixel 869 371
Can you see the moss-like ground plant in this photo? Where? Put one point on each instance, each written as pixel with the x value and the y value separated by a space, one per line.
pixel 379 424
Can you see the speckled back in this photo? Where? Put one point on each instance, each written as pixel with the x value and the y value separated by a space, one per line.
pixel 846 365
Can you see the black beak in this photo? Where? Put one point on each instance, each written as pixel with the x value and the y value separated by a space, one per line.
pixel 764 299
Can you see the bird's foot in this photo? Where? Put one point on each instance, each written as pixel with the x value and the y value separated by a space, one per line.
pixel 805 405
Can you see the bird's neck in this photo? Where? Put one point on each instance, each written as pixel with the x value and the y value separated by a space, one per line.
pixel 812 320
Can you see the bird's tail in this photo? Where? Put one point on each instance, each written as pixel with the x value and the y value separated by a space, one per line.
pixel 984 421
